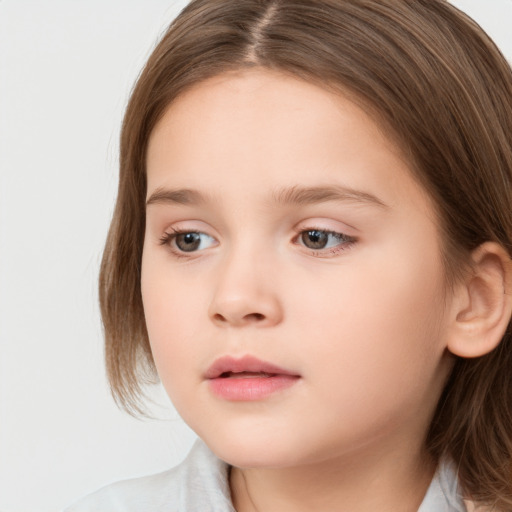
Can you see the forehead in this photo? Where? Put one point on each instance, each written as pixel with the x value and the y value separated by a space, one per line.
pixel 245 101
pixel 258 129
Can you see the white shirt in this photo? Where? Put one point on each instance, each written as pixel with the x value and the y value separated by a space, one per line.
pixel 200 484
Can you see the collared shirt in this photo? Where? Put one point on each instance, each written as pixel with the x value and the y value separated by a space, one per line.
pixel 201 484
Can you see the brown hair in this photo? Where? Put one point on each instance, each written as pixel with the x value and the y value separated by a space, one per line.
pixel 430 74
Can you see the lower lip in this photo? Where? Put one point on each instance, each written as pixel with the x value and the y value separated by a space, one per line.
pixel 250 388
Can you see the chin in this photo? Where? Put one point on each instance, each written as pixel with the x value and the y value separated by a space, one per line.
pixel 252 451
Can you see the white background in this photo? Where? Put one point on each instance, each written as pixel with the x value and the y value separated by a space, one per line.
pixel 66 69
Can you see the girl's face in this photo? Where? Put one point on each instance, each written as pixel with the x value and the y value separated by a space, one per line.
pixel 284 225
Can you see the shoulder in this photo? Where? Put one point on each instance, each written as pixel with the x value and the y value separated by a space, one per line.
pixel 444 493
pixel 144 493
pixel 200 481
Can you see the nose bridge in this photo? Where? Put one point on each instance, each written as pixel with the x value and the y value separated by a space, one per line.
pixel 245 290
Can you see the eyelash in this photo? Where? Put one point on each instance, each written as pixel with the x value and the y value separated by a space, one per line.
pixel 346 242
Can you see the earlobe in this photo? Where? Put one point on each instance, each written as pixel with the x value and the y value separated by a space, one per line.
pixel 483 303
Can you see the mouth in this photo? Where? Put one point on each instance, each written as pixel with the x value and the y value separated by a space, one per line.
pixel 247 379
pixel 246 366
pixel 244 375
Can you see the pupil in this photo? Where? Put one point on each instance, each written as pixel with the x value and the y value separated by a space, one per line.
pixel 315 239
pixel 188 241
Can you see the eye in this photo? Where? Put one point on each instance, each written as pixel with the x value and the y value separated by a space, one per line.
pixel 187 241
pixel 318 239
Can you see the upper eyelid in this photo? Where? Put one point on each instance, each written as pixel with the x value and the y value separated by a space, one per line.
pixel 297 230
pixel 172 232
pixel 325 224
pixel 325 229
pixel 178 231
pixel 321 223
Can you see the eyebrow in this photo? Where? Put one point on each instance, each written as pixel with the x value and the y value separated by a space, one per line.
pixel 176 196
pixel 285 197
pixel 313 195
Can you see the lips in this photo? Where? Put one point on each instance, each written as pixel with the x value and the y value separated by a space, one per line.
pixel 248 364
pixel 247 379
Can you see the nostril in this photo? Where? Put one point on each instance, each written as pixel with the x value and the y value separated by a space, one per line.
pixel 255 316
pixel 242 319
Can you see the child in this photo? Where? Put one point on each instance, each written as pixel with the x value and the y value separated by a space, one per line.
pixel 312 247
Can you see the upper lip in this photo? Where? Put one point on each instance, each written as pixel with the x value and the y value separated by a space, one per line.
pixel 245 364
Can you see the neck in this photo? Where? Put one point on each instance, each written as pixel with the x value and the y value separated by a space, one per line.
pixel 375 480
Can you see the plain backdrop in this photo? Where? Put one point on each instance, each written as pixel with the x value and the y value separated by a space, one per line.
pixel 66 69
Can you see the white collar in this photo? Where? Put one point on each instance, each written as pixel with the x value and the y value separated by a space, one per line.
pixel 443 494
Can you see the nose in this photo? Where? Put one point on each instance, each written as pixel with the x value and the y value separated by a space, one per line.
pixel 246 294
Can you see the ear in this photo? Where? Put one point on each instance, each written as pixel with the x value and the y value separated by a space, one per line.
pixel 482 303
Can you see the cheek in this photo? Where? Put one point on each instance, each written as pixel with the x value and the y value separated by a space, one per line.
pixel 377 325
pixel 171 308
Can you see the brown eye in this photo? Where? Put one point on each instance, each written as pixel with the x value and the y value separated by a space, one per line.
pixel 188 242
pixel 180 242
pixel 319 239
pixel 315 239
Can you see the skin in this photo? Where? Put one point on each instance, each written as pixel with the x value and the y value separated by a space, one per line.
pixel 364 322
